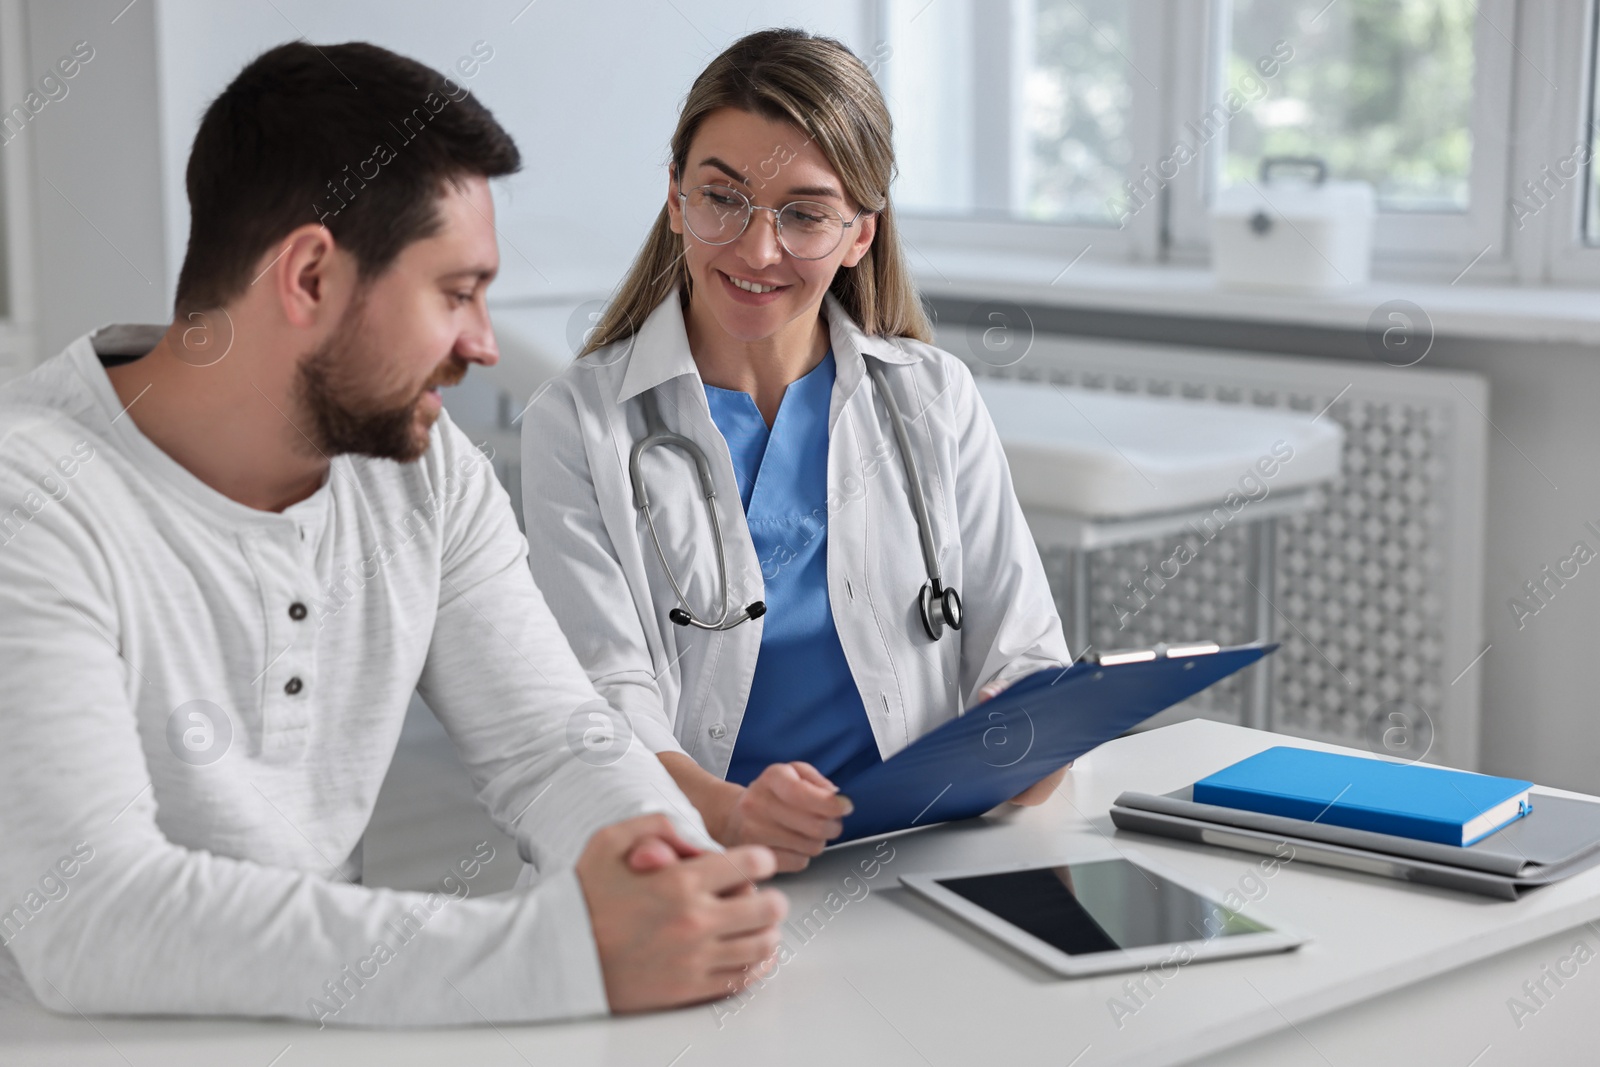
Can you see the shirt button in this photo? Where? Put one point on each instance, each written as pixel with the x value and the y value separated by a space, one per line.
pixel 297 611
pixel 718 731
pixel 293 686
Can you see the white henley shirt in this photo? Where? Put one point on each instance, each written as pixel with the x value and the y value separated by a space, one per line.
pixel 200 701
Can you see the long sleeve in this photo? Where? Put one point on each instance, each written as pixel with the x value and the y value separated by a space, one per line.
pixel 114 613
pixel 143 925
pixel 566 767
pixel 1011 625
pixel 576 565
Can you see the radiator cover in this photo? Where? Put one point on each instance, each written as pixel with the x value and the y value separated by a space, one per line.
pixel 1379 589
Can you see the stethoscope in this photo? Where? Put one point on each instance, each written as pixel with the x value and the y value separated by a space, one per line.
pixel 938 604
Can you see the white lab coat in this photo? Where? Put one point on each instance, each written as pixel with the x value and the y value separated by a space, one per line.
pixel 684 689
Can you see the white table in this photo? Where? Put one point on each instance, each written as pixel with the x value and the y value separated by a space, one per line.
pixel 1396 973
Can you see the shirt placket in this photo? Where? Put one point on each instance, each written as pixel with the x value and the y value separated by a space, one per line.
pixel 288 679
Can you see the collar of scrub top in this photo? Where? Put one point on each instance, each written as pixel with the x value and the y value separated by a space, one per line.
pixel 659 352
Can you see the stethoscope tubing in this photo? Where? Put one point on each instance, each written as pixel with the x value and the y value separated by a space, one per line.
pixel 919 503
pixel 656 434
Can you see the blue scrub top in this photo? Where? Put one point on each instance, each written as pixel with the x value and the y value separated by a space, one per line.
pixel 803 703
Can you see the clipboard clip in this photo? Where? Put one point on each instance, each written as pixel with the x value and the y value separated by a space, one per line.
pixel 1118 657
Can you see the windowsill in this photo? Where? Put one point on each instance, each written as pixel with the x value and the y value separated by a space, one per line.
pixel 1522 313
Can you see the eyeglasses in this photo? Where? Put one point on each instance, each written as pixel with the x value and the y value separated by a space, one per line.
pixel 719 215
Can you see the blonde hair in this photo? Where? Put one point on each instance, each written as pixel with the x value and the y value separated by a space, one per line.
pixel 819 86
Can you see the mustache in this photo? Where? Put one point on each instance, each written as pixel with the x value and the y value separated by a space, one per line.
pixel 450 373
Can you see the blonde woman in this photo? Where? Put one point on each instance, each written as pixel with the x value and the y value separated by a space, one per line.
pixel 721 507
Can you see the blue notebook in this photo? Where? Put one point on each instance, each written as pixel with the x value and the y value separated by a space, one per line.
pixel 1405 799
pixel 1000 747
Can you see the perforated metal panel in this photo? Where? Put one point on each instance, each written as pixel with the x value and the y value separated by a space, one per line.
pixel 1378 588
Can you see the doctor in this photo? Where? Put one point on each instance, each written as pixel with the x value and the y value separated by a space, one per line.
pixel 775 522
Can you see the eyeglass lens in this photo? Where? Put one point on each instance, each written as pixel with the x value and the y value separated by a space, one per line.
pixel 717 215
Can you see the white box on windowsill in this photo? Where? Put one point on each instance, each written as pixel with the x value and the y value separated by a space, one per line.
pixel 1292 236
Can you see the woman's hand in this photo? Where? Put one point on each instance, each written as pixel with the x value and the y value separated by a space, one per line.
pixel 1039 791
pixel 792 809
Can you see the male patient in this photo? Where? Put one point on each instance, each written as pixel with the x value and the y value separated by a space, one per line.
pixel 232 547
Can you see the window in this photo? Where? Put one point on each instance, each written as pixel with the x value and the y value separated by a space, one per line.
pixel 1122 118
pixel 1010 109
pixel 1554 191
pixel 5 256
pixel 1591 200
pixel 14 164
pixel 16 293
pixel 1076 105
pixel 1380 89
pixel 932 103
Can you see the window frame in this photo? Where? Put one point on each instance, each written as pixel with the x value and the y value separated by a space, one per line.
pixel 1556 251
pixel 994 96
pixel 1433 245
pixel 16 223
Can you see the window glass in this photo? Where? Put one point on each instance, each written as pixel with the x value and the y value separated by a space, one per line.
pixel 1591 200
pixel 1380 89
pixel 1019 108
pixel 1078 94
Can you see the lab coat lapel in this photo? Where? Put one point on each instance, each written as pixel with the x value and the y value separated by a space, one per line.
pixel 659 352
pixel 712 702
pixel 659 358
pixel 850 345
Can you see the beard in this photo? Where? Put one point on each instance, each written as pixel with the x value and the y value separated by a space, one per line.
pixel 341 386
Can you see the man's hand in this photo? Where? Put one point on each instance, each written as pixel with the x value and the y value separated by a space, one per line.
pixel 651 853
pixel 792 809
pixel 1039 791
pixel 672 925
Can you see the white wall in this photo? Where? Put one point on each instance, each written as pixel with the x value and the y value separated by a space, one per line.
pixel 96 182
pixel 590 91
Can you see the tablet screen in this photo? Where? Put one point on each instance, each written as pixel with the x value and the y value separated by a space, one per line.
pixel 1103 906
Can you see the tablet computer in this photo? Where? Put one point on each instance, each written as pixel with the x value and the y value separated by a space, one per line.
pixel 1105 914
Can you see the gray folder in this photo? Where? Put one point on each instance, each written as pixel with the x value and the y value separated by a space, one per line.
pixel 1560 837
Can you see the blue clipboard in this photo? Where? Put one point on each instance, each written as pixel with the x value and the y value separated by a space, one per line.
pixel 1000 747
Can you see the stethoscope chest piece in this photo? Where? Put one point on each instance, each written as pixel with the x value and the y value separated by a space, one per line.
pixel 938 604
pixel 939 608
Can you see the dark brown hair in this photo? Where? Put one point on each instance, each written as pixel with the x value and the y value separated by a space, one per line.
pixel 351 135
